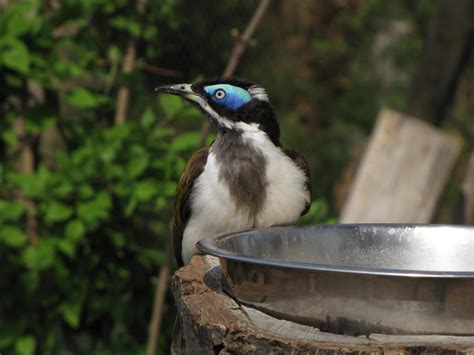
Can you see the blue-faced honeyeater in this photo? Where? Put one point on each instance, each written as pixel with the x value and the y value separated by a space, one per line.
pixel 246 179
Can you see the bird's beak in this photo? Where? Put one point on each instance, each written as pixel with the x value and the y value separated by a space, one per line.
pixel 183 90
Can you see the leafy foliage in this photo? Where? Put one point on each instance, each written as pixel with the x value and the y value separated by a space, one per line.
pixel 96 200
pixel 96 245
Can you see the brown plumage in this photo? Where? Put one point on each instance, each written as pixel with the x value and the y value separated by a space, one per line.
pixel 182 206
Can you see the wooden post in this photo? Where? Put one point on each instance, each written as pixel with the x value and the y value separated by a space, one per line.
pixel 403 172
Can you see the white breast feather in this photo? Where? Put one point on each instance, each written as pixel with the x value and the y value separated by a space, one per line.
pixel 214 211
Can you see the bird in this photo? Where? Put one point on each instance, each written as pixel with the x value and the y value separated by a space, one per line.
pixel 246 178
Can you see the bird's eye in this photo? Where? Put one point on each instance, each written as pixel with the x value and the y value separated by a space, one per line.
pixel 220 94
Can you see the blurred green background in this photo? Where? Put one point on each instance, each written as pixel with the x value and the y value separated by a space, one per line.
pixel 85 198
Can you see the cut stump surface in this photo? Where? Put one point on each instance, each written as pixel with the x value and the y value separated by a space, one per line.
pixel 211 322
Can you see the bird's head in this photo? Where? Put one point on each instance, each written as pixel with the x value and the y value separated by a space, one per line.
pixel 231 104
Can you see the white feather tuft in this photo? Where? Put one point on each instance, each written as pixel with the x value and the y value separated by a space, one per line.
pixel 257 92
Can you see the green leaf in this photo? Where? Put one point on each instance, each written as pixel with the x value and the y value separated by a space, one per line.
pixel 82 98
pixel 190 112
pixel 10 137
pixel 14 55
pixel 39 257
pixel 134 28
pixel 85 191
pixel 13 236
pixel 96 209
pixel 145 190
pixel 11 211
pixel 25 345
pixel 74 230
pixel 158 135
pixel 148 118
pixel 117 134
pixel 119 22
pixel 331 221
pixel 318 213
pixel 57 212
pixel 131 206
pixel 67 247
pixel 71 313
pixel 150 257
pixel 186 141
pixel 17 22
pixel 33 184
pixel 171 105
pixel 150 32
pixel 160 203
pixel 124 23
pixel 168 188
pixel 113 53
pixel 8 335
pixel 35 124
pixel 320 209
pixel 137 166
pixel 13 80
pixel 63 189
pixel 119 239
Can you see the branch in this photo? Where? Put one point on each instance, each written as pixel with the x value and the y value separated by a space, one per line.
pixel 158 304
pixel 149 68
pixel 161 71
pixel 128 65
pixel 124 91
pixel 242 42
pixel 239 49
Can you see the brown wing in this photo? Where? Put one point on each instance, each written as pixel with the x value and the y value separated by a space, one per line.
pixel 182 204
pixel 301 162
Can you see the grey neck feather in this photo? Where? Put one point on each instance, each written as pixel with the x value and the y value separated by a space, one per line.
pixel 242 167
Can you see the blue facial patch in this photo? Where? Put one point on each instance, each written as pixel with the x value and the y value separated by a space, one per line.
pixel 228 95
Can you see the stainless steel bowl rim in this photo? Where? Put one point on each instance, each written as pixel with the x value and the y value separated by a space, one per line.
pixel 209 246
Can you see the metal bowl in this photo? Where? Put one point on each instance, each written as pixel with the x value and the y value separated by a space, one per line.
pixel 355 279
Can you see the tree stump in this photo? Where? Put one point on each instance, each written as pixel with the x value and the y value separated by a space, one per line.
pixel 211 322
